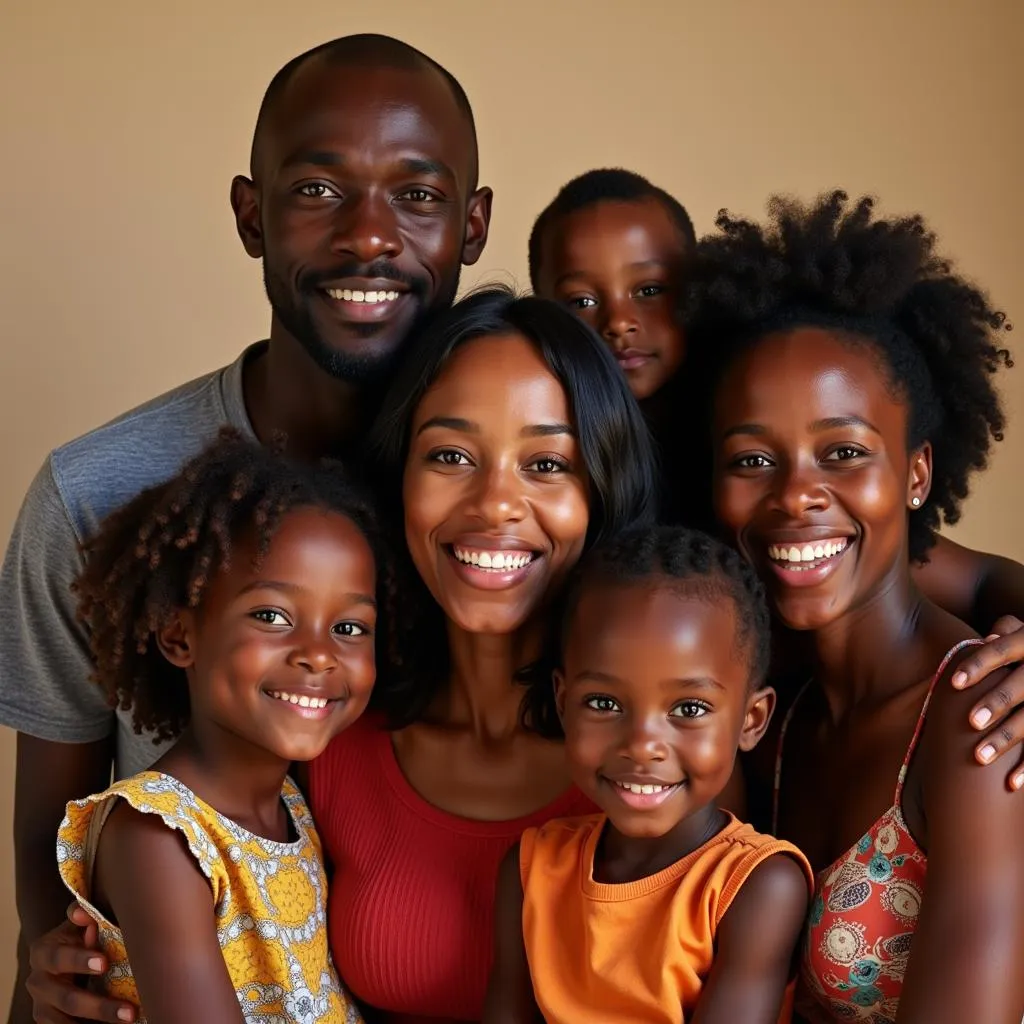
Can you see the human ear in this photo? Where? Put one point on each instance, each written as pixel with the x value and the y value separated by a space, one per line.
pixel 760 706
pixel 919 476
pixel 478 219
pixel 245 203
pixel 175 639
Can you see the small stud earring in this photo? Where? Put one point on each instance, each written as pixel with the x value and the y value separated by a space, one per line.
pixel 915 501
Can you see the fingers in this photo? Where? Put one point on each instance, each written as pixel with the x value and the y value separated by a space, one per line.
pixel 997 652
pixel 61 1003
pixel 1006 737
pixel 48 956
pixel 1007 624
pixel 76 915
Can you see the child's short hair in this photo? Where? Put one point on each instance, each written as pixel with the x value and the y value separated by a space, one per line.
pixel 160 551
pixel 606 184
pixel 685 560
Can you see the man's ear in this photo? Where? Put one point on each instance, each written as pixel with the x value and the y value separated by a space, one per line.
pixel 478 221
pixel 245 202
pixel 175 639
pixel 760 706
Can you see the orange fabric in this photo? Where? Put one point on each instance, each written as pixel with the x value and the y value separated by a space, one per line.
pixel 637 951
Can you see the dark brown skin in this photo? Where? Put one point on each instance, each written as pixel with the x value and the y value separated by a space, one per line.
pixel 656 690
pixel 810 443
pixel 364 123
pixel 617 266
pixel 481 474
pixel 302 623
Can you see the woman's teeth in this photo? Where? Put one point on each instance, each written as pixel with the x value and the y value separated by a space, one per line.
pixel 303 701
pixel 493 560
pixel 807 556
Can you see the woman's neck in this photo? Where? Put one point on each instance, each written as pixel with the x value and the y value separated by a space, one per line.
pixel 483 694
pixel 857 656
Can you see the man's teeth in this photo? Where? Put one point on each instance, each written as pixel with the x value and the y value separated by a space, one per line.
pixel 808 552
pixel 504 560
pixel 354 295
pixel 645 790
pixel 302 701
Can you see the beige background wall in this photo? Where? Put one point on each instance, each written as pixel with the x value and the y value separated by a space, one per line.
pixel 121 124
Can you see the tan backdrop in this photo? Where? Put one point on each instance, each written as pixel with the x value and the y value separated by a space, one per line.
pixel 122 124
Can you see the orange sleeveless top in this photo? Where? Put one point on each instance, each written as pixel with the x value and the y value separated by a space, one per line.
pixel 636 951
pixel 865 908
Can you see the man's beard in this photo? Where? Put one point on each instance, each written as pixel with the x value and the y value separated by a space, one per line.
pixel 368 367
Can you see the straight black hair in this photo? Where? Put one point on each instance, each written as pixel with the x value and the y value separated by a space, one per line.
pixel 613 438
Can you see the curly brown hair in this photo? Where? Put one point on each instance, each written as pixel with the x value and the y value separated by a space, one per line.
pixel 160 551
pixel 834 263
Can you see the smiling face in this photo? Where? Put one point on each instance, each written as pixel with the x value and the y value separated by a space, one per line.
pixel 495 491
pixel 655 701
pixel 617 266
pixel 282 657
pixel 813 477
pixel 362 208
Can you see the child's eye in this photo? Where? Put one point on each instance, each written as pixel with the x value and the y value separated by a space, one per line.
pixel 599 703
pixel 270 616
pixel 449 457
pixel 752 462
pixel 844 453
pixel 582 302
pixel 690 709
pixel 350 629
pixel 650 290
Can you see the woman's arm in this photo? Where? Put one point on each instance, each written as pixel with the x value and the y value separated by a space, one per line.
pixel 510 991
pixel 974 586
pixel 163 905
pixel 967 957
pixel 755 945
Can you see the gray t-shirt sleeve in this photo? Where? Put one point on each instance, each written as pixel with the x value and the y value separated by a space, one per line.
pixel 45 689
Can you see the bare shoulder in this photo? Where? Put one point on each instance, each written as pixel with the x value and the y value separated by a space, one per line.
pixel 777 889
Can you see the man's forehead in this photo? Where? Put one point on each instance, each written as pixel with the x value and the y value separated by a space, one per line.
pixel 336 107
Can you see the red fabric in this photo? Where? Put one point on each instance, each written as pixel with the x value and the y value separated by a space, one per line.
pixel 411 906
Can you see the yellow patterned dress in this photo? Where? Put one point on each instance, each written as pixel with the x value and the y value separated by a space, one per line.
pixel 270 900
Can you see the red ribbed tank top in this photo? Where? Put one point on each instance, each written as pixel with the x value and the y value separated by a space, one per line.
pixel 411 907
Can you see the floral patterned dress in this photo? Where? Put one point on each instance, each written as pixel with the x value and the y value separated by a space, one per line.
pixel 865 909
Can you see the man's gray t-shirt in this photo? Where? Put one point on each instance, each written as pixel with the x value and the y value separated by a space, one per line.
pixel 45 689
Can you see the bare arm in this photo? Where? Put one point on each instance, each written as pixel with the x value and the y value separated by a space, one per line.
pixel 974 586
pixel 970 933
pixel 510 991
pixel 163 905
pixel 47 776
pixel 755 945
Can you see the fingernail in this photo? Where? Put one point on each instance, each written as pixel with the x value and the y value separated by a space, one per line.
pixel 987 752
pixel 991 637
pixel 959 679
pixel 123 1014
pixel 1018 780
pixel 981 718
pixel 96 964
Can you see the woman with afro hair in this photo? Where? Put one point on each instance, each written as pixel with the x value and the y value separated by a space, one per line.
pixel 851 377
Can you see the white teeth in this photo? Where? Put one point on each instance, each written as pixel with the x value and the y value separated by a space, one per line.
pixel 645 790
pixel 355 295
pixel 302 701
pixel 494 560
pixel 807 553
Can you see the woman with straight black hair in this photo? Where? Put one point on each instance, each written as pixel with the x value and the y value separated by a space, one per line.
pixel 511 445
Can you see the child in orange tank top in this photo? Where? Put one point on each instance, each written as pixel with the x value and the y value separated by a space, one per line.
pixel 664 907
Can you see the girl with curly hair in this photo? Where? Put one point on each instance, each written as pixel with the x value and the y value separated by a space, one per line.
pixel 852 378
pixel 234 608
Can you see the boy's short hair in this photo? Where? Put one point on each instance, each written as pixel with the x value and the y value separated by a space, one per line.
pixel 605 184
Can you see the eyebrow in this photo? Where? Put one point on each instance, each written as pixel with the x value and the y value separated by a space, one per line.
pixel 642 265
pixel 424 165
pixel 817 426
pixel 469 427
pixel 294 588
pixel 684 682
pixel 410 165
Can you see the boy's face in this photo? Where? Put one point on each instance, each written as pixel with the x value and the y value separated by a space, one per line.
pixel 655 701
pixel 617 266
